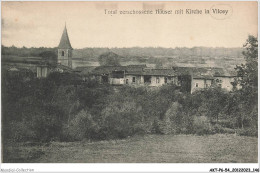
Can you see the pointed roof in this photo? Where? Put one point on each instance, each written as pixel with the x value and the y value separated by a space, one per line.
pixel 65 41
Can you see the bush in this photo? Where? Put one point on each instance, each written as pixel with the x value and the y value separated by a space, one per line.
pixel 248 132
pixel 20 131
pixel 217 128
pixel 46 124
pixel 122 119
pixel 202 126
pixel 177 120
pixel 227 123
pixel 164 126
pixel 37 125
pixel 172 121
pixel 83 127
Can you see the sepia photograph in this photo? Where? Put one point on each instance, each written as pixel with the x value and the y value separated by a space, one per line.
pixel 129 82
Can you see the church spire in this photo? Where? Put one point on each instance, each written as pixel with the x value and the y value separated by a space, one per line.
pixel 65 49
pixel 65 41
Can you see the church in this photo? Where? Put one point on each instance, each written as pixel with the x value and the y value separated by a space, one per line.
pixel 64 60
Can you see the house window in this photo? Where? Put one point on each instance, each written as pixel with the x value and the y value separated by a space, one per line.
pixel 133 79
pixel 157 80
pixel 62 53
pixel 197 85
pixel 126 81
pixel 165 80
pixel 147 79
pixel 218 80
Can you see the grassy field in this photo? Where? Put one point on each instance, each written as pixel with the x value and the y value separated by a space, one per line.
pixel 141 149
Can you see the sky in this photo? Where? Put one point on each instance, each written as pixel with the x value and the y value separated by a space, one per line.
pixel 40 24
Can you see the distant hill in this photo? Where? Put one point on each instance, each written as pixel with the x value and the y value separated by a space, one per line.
pixel 184 52
pixel 89 53
pixel 166 57
pixel 27 52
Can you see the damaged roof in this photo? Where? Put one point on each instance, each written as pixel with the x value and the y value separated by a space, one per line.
pixel 155 72
pixel 196 72
pixel 204 72
pixel 108 69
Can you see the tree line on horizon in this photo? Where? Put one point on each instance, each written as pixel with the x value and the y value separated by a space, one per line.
pixel 88 53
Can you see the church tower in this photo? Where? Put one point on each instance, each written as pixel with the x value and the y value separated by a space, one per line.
pixel 65 50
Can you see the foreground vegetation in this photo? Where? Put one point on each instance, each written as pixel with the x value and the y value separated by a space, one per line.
pixel 53 110
pixel 141 149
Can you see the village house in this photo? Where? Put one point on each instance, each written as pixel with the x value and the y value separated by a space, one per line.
pixel 226 80
pixel 151 77
pixel 32 65
pixel 190 78
pixel 201 82
pixel 18 72
pixel 206 77
pixel 115 75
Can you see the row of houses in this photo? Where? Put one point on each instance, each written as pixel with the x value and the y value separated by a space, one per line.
pixel 189 78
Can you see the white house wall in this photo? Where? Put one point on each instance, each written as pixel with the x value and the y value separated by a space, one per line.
pixel 201 83
pixel 157 83
pixel 117 81
pixel 139 80
pixel 226 82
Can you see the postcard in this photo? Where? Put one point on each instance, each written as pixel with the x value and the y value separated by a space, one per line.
pixel 91 84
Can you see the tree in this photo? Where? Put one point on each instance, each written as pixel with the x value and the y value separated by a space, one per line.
pixel 212 101
pixel 248 71
pixel 248 79
pixel 109 59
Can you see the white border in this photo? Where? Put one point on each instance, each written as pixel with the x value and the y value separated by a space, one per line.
pixel 130 167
